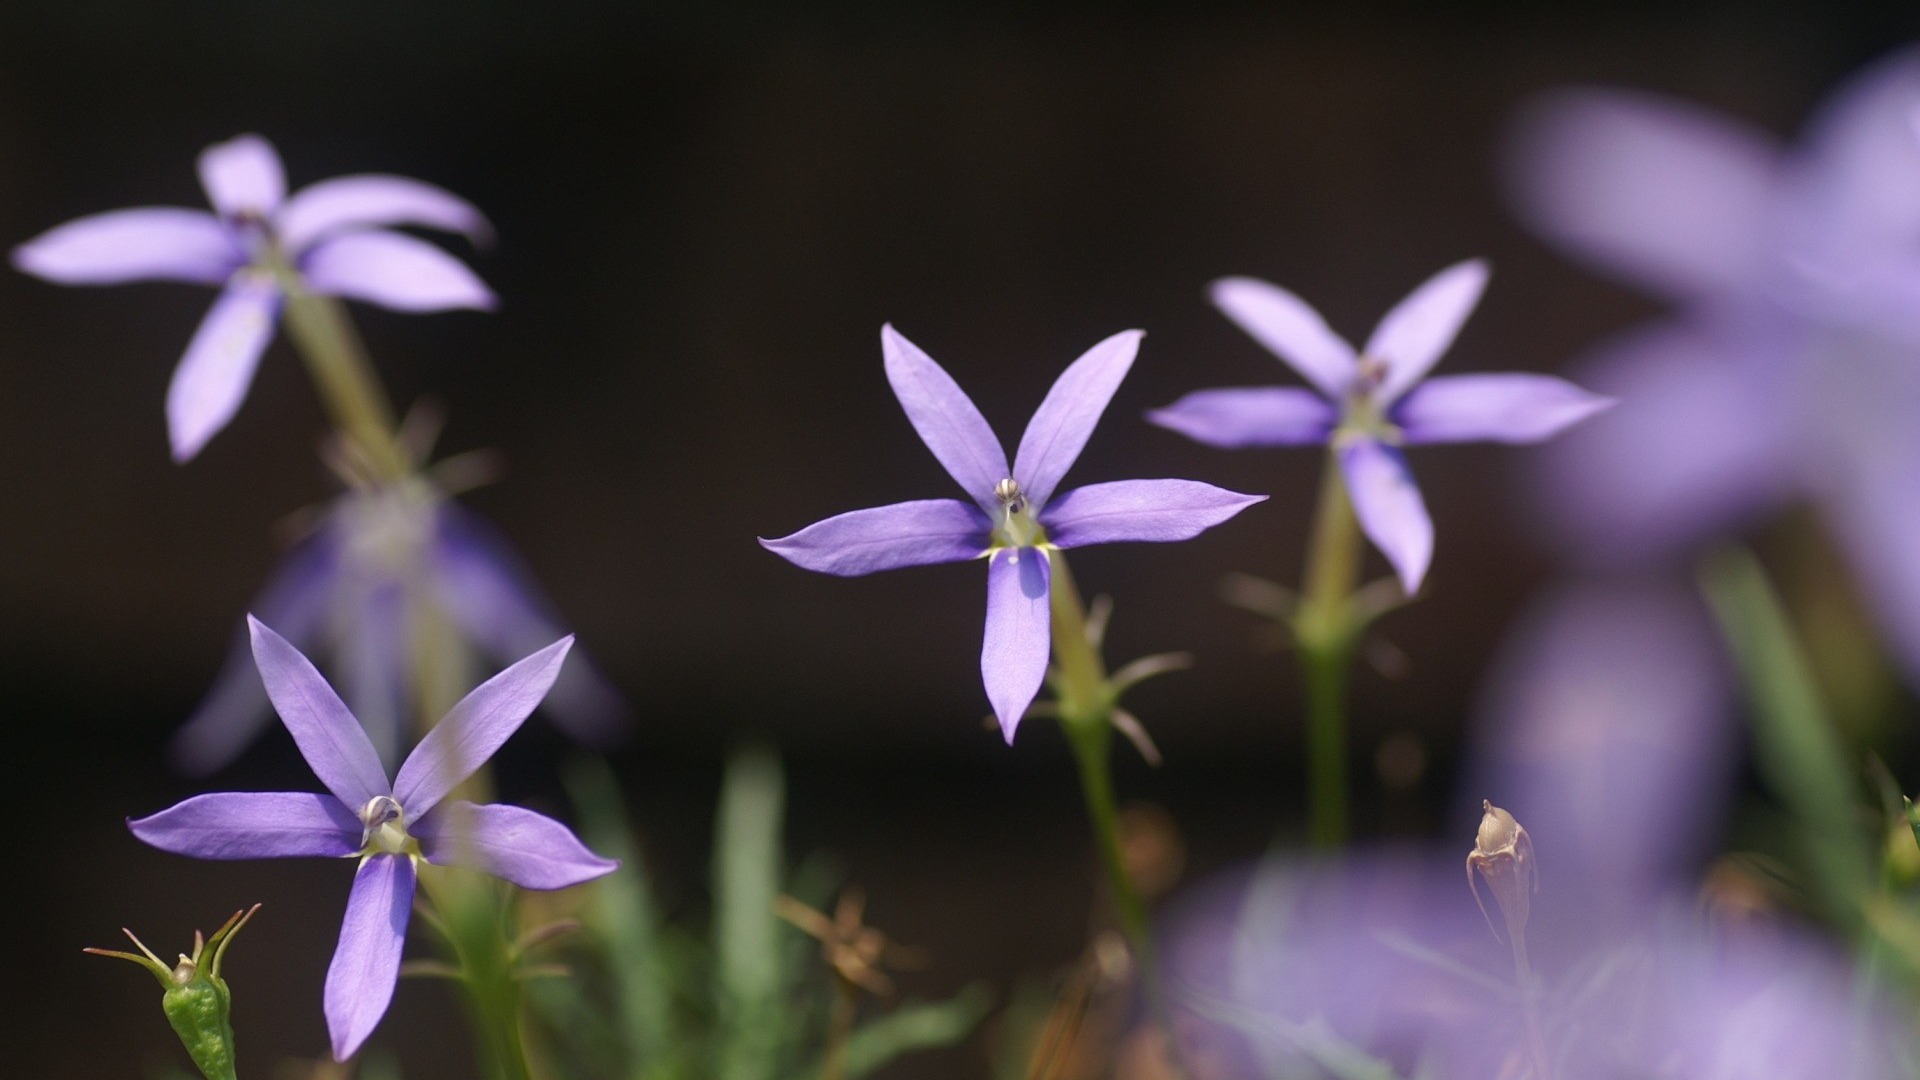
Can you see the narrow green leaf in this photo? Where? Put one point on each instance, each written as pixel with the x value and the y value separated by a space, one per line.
pixel 747 869
pixel 921 1026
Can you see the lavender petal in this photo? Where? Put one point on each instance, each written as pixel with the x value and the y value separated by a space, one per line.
pixel 375 657
pixel 1388 504
pixel 945 417
pixel 394 271
pixel 348 203
pixel 531 850
pixel 253 825
pixel 1013 659
pixel 1149 510
pixel 1509 408
pixel 366 962
pixel 1290 329
pixel 243 177
pixel 919 533
pixel 1066 417
pixel 1236 417
pixel 474 728
pixel 327 734
pixel 147 243
pixel 213 375
pixel 1418 331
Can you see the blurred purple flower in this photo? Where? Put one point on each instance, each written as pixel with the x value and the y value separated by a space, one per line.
pixel 1014 518
pixel 328 233
pixel 388 825
pixel 1367 405
pixel 1792 368
pixel 382 558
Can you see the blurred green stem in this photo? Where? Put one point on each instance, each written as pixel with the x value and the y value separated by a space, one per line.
pixel 337 361
pixel 1325 627
pixel 471 914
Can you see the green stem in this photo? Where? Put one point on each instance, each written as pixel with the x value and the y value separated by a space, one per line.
pixel 336 360
pixel 469 910
pixel 1325 629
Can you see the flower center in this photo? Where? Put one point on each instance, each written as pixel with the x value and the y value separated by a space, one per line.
pixel 1363 416
pixel 385 827
pixel 1015 525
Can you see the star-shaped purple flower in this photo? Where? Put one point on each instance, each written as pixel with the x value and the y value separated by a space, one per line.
pixel 328 233
pixel 1369 404
pixel 388 826
pixel 1014 518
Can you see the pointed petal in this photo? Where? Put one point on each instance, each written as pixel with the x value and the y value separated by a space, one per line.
pixel 253 825
pixel 919 533
pixel 149 242
pixel 1235 417
pixel 233 712
pixel 945 417
pixel 366 963
pixel 481 583
pixel 213 375
pixel 394 271
pixel 1509 408
pixel 473 729
pixel 1151 510
pixel 1013 661
pixel 1290 329
pixel 1419 330
pixel 1388 504
pixel 1656 191
pixel 347 203
pixel 531 850
pixel 1065 419
pixel 243 177
pixel 327 734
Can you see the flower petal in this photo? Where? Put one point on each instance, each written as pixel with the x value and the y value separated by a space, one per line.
pixel 253 825
pixel 473 729
pixel 370 201
pixel 480 582
pixel 243 177
pixel 531 850
pixel 373 656
pixel 1388 504
pixel 1659 192
pixel 1509 408
pixel 1013 660
pixel 394 271
pixel 918 533
pixel 1419 330
pixel 366 963
pixel 327 734
pixel 1235 417
pixel 945 417
pixel 1290 329
pixel 1062 424
pixel 295 600
pixel 1151 510
pixel 213 375
pixel 145 243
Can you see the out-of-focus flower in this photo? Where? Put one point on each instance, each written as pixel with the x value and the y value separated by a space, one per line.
pixel 1369 404
pixel 388 825
pixel 1014 518
pixel 385 557
pixel 326 238
pixel 1792 367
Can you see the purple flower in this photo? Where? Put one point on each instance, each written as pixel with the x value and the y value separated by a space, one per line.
pixel 383 558
pixel 1015 518
pixel 1792 367
pixel 1367 405
pixel 329 234
pixel 389 826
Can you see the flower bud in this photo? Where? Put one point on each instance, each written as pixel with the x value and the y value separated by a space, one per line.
pixel 196 1001
pixel 1503 855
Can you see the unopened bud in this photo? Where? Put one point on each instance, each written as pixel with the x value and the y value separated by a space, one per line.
pixel 196 1001
pixel 1503 855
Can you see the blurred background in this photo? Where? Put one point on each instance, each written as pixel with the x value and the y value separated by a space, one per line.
pixel 705 213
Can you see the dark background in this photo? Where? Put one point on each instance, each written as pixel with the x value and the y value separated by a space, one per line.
pixel 705 213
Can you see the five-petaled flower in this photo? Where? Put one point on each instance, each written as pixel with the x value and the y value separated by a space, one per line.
pixel 1371 403
pixel 389 826
pixel 327 234
pixel 1014 519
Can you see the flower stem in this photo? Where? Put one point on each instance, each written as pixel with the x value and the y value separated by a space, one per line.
pixel 1529 1001
pixel 355 402
pixel 1325 627
pixel 473 917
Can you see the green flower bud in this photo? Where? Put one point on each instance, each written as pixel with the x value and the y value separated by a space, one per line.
pixel 196 999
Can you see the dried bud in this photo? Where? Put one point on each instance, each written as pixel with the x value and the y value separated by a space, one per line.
pixel 1503 854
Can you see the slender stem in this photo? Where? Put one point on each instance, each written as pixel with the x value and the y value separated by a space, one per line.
pixel 1324 631
pixel 1529 1001
pixel 470 913
pixel 337 361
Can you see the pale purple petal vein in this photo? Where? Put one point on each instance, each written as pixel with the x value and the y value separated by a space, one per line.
pixel 475 727
pixel 1065 419
pixel 1508 407
pixel 531 850
pixel 366 962
pixel 919 533
pixel 1236 417
pixel 1140 510
pixel 946 419
pixel 1013 657
pixel 253 825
